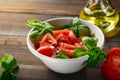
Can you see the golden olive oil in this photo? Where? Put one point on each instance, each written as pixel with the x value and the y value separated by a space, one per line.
pixel 102 15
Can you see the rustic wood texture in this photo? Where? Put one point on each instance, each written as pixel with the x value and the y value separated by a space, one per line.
pixel 13 32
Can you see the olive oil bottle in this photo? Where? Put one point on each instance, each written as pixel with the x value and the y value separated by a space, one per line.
pixel 102 14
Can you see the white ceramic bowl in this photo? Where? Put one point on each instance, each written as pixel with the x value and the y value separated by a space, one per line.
pixel 66 65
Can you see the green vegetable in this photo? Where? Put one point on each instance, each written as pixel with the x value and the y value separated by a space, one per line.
pixel 34 33
pixel 40 28
pixel 83 30
pixel 8 63
pixel 89 42
pixel 78 28
pixel 79 52
pixel 7 75
pixel 95 54
pixel 62 55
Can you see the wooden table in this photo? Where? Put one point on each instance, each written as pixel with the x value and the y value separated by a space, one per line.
pixel 13 32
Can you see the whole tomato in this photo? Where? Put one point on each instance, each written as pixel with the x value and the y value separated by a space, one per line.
pixel 111 68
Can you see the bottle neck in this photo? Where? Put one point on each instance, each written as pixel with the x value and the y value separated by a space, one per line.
pixel 99 1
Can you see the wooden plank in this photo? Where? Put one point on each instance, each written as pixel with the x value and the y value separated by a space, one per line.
pixel 61 7
pixel 65 7
pixel 15 23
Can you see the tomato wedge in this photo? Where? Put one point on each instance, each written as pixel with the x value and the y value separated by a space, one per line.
pixel 48 39
pixel 65 35
pixel 64 39
pixel 68 52
pixel 46 50
pixel 67 48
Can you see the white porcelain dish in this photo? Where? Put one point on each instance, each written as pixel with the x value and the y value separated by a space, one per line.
pixel 66 65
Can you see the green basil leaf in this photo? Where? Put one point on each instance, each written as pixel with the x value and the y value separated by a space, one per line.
pixel 89 42
pixel 62 55
pixel 95 54
pixel 7 75
pixel 8 62
pixel 79 52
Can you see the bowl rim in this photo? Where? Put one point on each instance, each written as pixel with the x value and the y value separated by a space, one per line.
pixel 71 59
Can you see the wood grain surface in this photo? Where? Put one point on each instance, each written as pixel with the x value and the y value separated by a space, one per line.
pixel 13 32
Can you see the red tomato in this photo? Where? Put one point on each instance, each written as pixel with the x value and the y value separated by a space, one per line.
pixel 64 39
pixel 80 45
pixel 111 68
pixel 67 46
pixel 48 39
pixel 67 51
pixel 68 35
pixel 58 32
pixel 46 50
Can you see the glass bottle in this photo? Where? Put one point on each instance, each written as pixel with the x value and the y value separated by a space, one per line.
pixel 102 14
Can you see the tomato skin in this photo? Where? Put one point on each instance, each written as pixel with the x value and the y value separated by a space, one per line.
pixel 111 68
pixel 46 50
pixel 48 39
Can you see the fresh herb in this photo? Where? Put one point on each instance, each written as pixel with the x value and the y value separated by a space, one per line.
pixel 89 42
pixel 94 52
pixel 40 28
pixel 79 52
pixel 8 63
pixel 78 28
pixel 62 55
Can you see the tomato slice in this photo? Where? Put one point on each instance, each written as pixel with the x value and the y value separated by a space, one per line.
pixel 68 52
pixel 46 50
pixel 80 45
pixel 64 39
pixel 67 46
pixel 48 39
pixel 68 35
pixel 64 32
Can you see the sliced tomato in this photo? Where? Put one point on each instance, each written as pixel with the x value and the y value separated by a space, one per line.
pixel 67 46
pixel 80 45
pixel 68 52
pixel 68 35
pixel 64 39
pixel 46 50
pixel 64 32
pixel 48 39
